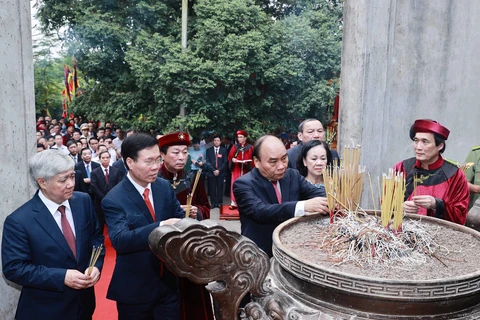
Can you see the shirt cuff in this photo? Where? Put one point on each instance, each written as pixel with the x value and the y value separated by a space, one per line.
pixel 300 209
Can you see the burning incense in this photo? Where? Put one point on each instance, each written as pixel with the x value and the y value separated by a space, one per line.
pixel 96 251
pixel 344 184
pixel 393 186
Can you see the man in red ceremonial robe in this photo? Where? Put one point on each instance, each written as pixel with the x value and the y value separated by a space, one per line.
pixel 441 187
pixel 174 152
pixel 240 160
pixel 195 299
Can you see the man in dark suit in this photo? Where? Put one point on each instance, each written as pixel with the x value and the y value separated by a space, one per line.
pixel 73 151
pixel 120 165
pixel 83 172
pixel 272 193
pixel 47 244
pixel 103 179
pixel 309 129
pixel 137 205
pixel 217 159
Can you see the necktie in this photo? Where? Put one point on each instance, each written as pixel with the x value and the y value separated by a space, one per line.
pixel 216 158
pixel 87 167
pixel 277 192
pixel 148 203
pixel 67 231
pixel 106 175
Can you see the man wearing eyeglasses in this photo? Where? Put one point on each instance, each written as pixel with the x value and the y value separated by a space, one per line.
pixel 137 205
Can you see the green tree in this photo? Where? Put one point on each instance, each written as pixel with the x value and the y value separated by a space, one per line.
pixel 48 77
pixel 256 65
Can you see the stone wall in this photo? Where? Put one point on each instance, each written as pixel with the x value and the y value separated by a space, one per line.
pixel 403 60
pixel 17 125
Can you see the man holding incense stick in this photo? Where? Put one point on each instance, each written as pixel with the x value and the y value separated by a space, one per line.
pixel 272 193
pixel 190 191
pixel 434 187
pixel 141 202
pixel 47 244
pixel 174 152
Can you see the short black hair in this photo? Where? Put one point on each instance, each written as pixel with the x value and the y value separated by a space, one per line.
pixel 81 152
pixel 436 137
pixel 217 136
pixel 303 154
pixel 106 151
pixel 39 145
pixel 135 143
pixel 70 142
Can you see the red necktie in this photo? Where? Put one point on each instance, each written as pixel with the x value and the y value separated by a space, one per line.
pixel 67 231
pixel 277 192
pixel 106 175
pixel 148 203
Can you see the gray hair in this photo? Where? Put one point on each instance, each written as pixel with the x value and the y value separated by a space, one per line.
pixel 302 124
pixel 47 164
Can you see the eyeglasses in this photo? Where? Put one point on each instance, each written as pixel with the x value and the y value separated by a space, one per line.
pixel 151 163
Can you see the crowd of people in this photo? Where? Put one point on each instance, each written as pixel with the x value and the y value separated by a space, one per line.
pixel 132 182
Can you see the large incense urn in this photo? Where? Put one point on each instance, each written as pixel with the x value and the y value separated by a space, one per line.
pixel 343 295
pixel 291 286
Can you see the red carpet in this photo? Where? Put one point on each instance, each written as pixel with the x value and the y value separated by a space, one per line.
pixel 106 309
pixel 227 214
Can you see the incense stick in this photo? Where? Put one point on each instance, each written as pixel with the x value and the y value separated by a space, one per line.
pixel 190 196
pixel 96 251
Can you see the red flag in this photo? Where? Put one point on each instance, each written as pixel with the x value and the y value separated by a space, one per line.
pixel 75 77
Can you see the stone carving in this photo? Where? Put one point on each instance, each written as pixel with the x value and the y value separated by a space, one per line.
pixel 205 252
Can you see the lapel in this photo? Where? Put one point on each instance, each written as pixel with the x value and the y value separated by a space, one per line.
pixel 46 220
pixel 266 184
pixel 137 199
pixel 158 199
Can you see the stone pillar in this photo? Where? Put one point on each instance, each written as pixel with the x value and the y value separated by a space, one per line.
pixel 404 60
pixel 17 126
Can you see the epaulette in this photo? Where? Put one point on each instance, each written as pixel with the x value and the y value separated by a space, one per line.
pixel 455 163
pixel 476 148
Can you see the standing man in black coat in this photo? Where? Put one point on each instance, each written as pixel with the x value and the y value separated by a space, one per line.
pixel 217 159
pixel 83 172
pixel 103 179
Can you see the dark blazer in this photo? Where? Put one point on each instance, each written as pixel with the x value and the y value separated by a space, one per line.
pixel 222 160
pixel 260 212
pixel 81 173
pixel 77 158
pixel 99 184
pixel 36 256
pixel 136 277
pixel 120 165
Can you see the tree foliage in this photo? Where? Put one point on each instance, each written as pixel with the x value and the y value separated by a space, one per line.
pixel 251 64
pixel 48 75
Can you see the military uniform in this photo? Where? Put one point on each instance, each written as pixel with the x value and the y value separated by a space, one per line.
pixel 473 173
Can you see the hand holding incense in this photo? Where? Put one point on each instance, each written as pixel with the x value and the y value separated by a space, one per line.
pixel 96 251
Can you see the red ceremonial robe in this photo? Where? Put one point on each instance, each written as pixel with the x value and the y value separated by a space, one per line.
pixel 195 299
pixel 444 181
pixel 183 185
pixel 240 152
